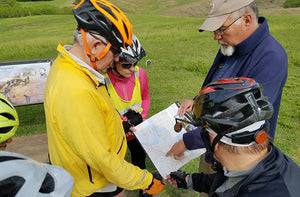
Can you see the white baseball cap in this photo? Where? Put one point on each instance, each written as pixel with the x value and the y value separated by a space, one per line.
pixel 219 10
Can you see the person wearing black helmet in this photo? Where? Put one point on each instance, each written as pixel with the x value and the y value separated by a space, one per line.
pixel 128 88
pixel 233 114
pixel 85 131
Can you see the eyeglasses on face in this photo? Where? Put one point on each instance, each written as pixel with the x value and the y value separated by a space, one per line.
pixel 128 65
pixel 222 30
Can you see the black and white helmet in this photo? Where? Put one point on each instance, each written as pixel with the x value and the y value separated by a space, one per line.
pixel 21 176
pixel 134 53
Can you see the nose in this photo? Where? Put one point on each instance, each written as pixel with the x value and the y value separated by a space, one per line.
pixel 217 36
pixel 131 68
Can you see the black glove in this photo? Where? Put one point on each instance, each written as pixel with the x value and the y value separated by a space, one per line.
pixel 126 126
pixel 180 176
pixel 133 117
pixel 156 185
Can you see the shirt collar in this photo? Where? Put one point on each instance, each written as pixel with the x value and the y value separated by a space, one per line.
pixel 100 77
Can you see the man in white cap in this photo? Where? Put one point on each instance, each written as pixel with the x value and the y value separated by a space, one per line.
pixel 247 49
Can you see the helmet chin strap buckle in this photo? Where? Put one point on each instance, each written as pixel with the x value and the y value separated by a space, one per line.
pixel 93 59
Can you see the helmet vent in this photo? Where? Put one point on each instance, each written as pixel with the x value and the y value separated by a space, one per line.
pixel 8 158
pixel 247 111
pixel 5 129
pixel 126 30
pixel 88 18
pixel 11 186
pixel 222 108
pixel 4 101
pixel 8 116
pixel 115 8
pixel 47 185
pixel 107 9
pixel 256 94
pixel 241 99
pixel 263 104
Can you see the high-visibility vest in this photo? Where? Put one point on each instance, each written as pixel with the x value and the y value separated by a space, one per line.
pixel 124 106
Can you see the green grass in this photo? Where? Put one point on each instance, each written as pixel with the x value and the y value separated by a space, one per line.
pixel 291 3
pixel 180 55
pixel 12 8
pixel 57 3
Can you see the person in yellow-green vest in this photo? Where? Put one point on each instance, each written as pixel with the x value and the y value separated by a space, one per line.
pixel 128 87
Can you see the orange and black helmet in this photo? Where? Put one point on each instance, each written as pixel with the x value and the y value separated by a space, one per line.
pixel 105 18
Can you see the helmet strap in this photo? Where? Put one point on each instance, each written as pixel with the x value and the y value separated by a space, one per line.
pixel 115 69
pixel 216 166
pixel 93 59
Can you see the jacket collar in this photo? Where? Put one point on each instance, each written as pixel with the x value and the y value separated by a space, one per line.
pixel 249 44
pixel 96 76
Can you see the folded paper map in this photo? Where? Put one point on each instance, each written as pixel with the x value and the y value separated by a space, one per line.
pixel 157 136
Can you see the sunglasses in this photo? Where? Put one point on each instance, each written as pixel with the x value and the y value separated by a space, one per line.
pixel 127 65
pixel 115 51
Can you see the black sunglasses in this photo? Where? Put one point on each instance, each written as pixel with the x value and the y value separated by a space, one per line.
pixel 128 65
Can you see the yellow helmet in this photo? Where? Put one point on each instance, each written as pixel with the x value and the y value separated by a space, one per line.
pixel 105 18
pixel 9 120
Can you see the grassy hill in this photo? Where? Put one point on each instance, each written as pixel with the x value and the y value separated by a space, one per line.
pixel 183 8
pixel 193 8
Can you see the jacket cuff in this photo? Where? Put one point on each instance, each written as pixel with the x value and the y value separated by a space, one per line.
pixel 192 139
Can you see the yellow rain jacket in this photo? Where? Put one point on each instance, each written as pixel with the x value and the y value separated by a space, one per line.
pixel 85 132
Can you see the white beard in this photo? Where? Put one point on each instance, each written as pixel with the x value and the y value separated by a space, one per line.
pixel 227 50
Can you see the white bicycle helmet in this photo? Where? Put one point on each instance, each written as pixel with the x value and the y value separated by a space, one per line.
pixel 21 176
pixel 134 53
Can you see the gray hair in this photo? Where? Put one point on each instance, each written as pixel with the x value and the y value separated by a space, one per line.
pixel 252 149
pixel 249 9
pixel 90 37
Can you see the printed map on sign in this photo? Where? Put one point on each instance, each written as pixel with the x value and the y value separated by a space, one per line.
pixel 157 136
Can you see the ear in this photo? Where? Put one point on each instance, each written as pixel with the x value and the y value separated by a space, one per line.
pixel 95 47
pixel 248 21
pixel 212 137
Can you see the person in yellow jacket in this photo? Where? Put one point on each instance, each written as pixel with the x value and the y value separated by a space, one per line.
pixel 84 129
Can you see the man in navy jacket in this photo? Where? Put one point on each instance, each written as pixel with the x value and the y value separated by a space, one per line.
pixel 247 49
